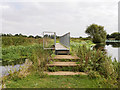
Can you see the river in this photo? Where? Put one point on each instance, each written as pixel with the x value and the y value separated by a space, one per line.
pixel 111 49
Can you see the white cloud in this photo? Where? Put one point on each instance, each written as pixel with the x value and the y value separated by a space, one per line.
pixel 4 7
pixel 60 0
pixel 36 17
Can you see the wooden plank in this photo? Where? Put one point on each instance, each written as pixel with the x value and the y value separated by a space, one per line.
pixel 63 64
pixel 65 57
pixel 58 46
pixel 65 73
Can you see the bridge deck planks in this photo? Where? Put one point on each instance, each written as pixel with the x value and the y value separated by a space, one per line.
pixel 58 46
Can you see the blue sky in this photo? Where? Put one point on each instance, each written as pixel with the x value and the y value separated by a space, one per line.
pixel 34 17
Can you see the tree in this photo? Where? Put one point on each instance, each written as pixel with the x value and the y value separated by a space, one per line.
pixel 46 35
pixel 97 33
pixel 80 37
pixel 31 36
pixel 108 36
pixel 37 36
pixel 16 35
pixel 115 35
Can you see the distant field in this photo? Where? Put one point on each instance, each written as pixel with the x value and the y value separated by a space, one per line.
pixel 16 41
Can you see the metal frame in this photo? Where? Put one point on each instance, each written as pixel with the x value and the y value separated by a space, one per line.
pixel 54 39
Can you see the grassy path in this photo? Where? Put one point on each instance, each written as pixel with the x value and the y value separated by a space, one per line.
pixel 34 81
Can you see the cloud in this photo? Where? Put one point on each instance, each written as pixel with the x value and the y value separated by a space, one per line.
pixel 4 7
pixel 61 17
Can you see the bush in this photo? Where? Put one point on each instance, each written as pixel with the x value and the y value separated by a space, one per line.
pixel 93 75
pixel 97 63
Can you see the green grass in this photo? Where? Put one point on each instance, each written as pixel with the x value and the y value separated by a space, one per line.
pixel 15 53
pixel 94 59
pixel 63 68
pixel 16 41
pixel 34 81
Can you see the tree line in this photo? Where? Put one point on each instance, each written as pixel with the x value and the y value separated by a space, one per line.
pixel 20 35
pixel 115 35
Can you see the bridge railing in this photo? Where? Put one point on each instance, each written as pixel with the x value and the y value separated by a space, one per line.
pixel 65 40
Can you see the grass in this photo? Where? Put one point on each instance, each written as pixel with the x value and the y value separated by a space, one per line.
pixel 16 53
pixel 91 60
pixel 16 41
pixel 34 81
pixel 63 68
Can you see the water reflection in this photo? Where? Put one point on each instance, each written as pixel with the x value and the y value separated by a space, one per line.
pixel 100 47
pixel 116 45
pixel 110 48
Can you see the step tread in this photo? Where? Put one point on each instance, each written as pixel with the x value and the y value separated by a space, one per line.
pixel 65 73
pixel 63 64
pixel 65 57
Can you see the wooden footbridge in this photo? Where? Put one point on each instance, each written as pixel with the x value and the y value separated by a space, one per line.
pixel 60 49
pixel 62 60
pixel 63 47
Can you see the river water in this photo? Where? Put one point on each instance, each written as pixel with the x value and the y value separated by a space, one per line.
pixel 4 70
pixel 111 49
pixel 113 52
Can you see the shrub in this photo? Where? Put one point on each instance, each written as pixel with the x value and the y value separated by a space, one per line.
pixel 96 61
pixel 93 74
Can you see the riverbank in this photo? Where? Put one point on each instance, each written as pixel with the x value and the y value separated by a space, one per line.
pixel 95 62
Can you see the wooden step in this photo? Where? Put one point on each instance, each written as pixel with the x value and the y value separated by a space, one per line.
pixel 61 52
pixel 65 57
pixel 63 64
pixel 65 73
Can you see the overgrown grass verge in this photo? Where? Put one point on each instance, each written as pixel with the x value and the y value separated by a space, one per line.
pixel 14 53
pixel 35 81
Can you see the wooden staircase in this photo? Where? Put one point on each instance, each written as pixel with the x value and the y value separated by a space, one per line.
pixel 64 65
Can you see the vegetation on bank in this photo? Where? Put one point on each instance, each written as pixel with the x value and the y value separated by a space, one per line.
pixel 114 36
pixel 97 64
pixel 14 53
pixel 102 71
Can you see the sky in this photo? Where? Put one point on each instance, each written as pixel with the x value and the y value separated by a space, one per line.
pixel 61 16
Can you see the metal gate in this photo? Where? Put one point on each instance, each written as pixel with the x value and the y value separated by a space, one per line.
pixel 49 40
